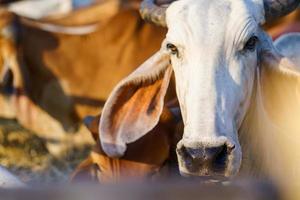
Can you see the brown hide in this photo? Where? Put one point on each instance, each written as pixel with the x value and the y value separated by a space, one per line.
pixel 8 64
pixel 147 158
pixel 67 77
pixel 83 69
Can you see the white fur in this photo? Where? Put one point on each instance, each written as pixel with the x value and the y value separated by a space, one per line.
pixel 70 30
pixel 214 75
pixel 37 9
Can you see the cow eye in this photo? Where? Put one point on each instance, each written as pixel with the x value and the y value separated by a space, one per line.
pixel 172 48
pixel 251 43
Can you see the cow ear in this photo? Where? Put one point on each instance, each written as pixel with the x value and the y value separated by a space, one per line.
pixel 135 105
pixel 284 55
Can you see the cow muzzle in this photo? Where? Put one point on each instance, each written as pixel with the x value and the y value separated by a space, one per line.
pixel 198 159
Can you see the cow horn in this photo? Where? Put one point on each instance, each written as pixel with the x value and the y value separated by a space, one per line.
pixel 155 11
pixel 279 8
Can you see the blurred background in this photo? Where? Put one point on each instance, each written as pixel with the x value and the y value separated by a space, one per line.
pixel 59 61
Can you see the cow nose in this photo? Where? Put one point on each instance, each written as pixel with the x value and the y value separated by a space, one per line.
pixel 204 154
pixel 205 160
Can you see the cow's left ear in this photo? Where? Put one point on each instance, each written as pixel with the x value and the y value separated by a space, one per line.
pixel 284 55
pixel 135 105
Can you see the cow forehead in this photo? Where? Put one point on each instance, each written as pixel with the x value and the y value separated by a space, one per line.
pixel 213 18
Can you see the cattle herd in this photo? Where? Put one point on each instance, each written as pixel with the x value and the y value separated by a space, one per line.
pixel 160 88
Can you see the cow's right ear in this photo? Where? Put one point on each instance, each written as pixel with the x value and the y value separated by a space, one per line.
pixel 135 105
pixel 283 56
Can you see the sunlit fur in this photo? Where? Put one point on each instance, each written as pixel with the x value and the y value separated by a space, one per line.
pixel 269 135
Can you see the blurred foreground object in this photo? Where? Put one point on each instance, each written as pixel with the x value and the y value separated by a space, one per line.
pixel 82 3
pixel 8 180
pixel 175 190
pixel 7 1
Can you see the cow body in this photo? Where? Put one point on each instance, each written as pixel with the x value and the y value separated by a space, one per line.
pixel 58 78
pixel 150 158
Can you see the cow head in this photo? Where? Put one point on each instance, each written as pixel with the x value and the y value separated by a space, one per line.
pixel 215 49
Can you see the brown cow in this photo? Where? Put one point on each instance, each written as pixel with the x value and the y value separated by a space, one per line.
pixel 151 157
pixel 60 77
pixel 8 63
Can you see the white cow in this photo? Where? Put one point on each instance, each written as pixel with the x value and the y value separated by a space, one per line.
pixel 225 66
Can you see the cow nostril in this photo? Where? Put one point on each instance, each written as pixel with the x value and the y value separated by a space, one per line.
pixel 213 159
pixel 206 155
pixel 195 153
pixel 221 158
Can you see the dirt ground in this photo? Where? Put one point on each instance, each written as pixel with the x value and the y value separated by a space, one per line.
pixel 26 155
